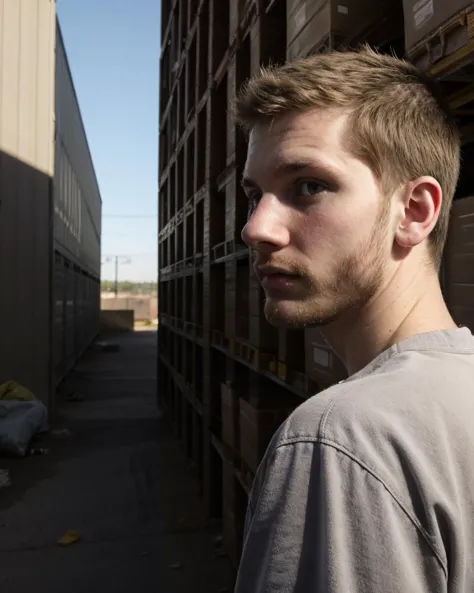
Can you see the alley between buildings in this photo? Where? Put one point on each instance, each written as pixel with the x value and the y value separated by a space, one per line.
pixel 119 479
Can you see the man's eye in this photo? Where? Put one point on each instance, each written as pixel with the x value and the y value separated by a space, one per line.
pixel 253 202
pixel 309 188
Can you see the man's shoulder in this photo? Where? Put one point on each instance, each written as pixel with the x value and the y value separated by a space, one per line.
pixel 333 413
pixel 409 411
pixel 367 416
pixel 399 394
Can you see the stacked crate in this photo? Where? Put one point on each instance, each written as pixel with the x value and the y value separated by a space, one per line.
pixel 439 40
pixel 227 377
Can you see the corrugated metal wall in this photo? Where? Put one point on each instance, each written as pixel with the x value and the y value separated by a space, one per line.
pixel 77 202
pixel 27 38
pixel 50 205
pixel 77 226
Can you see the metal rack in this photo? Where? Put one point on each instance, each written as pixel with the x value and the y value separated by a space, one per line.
pixel 223 369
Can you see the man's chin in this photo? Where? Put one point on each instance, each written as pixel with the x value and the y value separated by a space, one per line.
pixel 296 315
pixel 285 314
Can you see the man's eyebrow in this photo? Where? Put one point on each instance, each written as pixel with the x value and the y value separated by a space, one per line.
pixel 287 168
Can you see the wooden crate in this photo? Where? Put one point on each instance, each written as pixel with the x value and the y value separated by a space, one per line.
pixel 322 364
pixel 257 427
pixel 314 26
pixel 233 513
pixel 437 32
pixel 459 263
pixel 230 417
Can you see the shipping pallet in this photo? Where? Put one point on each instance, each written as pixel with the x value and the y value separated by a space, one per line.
pixel 219 339
pixel 278 368
pixel 228 249
pixel 252 355
pixel 242 472
pixel 440 64
pixel 189 328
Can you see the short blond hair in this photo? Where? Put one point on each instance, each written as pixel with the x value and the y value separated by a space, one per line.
pixel 399 123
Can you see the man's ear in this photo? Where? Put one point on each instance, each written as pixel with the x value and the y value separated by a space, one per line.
pixel 421 206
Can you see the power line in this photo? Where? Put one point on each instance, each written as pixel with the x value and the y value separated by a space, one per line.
pixel 130 216
pixel 137 234
pixel 131 254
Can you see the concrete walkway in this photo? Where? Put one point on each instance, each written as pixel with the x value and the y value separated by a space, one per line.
pixel 120 480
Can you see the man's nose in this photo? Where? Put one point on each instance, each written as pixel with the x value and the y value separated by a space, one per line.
pixel 266 229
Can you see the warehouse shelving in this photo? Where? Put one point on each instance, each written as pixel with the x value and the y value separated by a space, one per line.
pixel 219 358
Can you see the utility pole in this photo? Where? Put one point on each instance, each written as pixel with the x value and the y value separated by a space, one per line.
pixel 117 259
pixel 116 275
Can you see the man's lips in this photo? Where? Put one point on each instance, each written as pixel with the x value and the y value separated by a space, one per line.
pixel 275 277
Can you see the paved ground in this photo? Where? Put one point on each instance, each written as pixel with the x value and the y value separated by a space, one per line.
pixel 121 481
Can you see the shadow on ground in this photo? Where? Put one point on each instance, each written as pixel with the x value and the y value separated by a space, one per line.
pixel 120 479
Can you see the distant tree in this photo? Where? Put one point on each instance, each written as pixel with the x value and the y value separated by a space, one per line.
pixel 130 287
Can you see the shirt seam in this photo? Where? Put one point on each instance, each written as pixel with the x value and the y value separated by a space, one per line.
pixel 348 385
pixel 444 349
pixel 397 350
pixel 430 540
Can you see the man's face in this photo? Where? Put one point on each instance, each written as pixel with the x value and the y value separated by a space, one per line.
pixel 318 223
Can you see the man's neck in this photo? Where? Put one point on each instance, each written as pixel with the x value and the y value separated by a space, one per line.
pixel 400 311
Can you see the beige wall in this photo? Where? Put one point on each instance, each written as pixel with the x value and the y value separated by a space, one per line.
pixel 145 307
pixel 27 36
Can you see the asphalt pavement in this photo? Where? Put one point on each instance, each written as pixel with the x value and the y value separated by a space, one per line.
pixel 116 475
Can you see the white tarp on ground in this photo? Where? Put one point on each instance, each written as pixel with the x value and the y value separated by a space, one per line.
pixel 19 422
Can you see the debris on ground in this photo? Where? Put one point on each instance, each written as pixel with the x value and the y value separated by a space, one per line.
pixel 176 566
pixel 221 552
pixel 70 537
pixel 13 391
pixel 21 420
pixel 61 433
pixel 5 479
pixel 35 451
pixel 107 347
pixel 74 397
pixel 219 548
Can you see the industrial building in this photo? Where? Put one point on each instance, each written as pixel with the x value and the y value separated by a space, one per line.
pixel 50 210
pixel 227 377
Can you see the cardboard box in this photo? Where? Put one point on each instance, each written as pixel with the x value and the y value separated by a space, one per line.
pixel 233 514
pixel 313 24
pixel 230 417
pixel 425 17
pixel 322 364
pixel 257 427
pixel 459 263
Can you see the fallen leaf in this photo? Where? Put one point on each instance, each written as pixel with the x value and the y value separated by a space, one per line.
pixel 70 537
pixel 61 433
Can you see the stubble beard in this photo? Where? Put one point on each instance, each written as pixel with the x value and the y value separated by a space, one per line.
pixel 353 283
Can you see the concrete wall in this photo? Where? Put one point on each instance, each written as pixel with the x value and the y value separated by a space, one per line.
pixel 144 307
pixel 116 321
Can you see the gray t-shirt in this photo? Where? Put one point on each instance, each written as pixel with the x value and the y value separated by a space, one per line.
pixel 369 486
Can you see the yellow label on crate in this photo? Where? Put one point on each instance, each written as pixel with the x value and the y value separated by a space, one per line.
pixel 282 371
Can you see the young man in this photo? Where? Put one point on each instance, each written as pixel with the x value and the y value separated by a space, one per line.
pixel 369 486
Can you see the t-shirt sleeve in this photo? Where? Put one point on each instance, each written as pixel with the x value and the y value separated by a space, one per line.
pixel 320 522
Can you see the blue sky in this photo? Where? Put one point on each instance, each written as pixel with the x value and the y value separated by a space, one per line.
pixel 113 48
